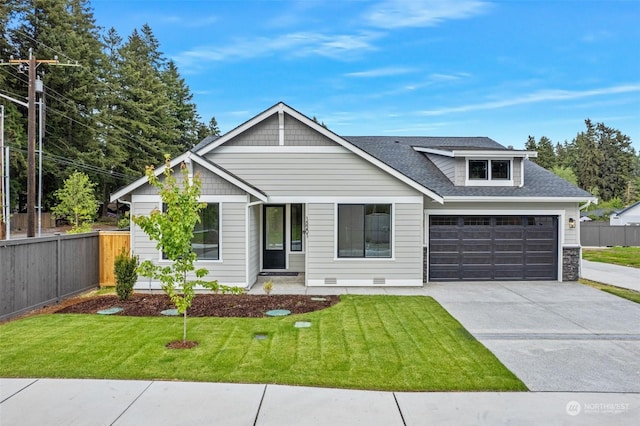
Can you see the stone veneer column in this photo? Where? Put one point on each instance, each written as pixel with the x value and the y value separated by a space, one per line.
pixel 570 263
pixel 425 263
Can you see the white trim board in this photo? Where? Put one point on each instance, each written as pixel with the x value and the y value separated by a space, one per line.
pixel 366 282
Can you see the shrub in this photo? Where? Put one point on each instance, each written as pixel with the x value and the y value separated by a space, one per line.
pixel 126 275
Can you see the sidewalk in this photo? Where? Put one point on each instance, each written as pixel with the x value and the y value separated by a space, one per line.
pixel 46 402
pixel 606 273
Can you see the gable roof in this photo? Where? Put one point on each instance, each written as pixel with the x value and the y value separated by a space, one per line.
pixel 628 208
pixel 208 145
pixel 399 156
pixel 212 167
pixel 399 153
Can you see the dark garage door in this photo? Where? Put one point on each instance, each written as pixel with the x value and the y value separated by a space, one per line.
pixel 493 248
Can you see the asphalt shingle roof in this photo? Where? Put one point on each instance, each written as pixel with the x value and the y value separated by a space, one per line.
pixel 398 153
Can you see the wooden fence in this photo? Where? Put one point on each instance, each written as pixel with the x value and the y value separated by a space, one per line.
pixel 35 272
pixel 601 234
pixel 19 221
pixel 111 243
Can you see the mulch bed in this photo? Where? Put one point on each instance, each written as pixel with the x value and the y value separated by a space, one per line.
pixel 203 305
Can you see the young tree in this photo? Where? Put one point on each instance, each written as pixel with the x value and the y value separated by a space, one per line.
pixel 76 201
pixel 172 229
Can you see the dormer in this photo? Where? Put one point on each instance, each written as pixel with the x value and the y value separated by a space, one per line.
pixel 480 166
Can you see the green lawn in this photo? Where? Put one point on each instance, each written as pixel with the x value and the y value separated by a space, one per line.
pixel 395 343
pixel 625 256
pixel 628 294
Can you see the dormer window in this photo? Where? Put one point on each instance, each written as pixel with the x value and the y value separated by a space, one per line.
pixel 489 172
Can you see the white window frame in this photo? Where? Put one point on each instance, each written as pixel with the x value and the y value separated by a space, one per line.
pixel 489 181
pixel 364 258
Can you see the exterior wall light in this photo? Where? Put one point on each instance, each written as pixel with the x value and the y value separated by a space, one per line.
pixel 572 223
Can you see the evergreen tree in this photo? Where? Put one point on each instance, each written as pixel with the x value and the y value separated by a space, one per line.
pixel 587 161
pixel 544 147
pixel 546 154
pixel 182 108
pixel 213 127
pixel 616 170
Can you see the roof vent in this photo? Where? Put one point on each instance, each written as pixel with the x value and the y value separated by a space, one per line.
pixel 330 281
pixel 379 281
pixel 510 147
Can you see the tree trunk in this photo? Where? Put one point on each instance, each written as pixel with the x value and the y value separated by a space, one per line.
pixel 184 327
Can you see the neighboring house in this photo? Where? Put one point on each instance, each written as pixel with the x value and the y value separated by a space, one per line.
pixel 628 216
pixel 286 194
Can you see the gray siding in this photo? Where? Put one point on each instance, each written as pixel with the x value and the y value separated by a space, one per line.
pixel 213 184
pixel 405 268
pixel 232 269
pixel 461 171
pixel 254 244
pixel 141 245
pixel 445 164
pixel 517 171
pixel 312 174
pixel 263 134
pixel 298 134
pixel 296 262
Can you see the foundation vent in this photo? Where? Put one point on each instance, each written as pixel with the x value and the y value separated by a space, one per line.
pixel 379 281
pixel 330 281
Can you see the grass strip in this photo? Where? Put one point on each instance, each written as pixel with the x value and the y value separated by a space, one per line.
pixel 399 343
pixel 625 293
pixel 624 256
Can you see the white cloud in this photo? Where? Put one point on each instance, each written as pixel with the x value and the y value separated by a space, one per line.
pixel 188 21
pixel 422 13
pixel 381 72
pixel 300 44
pixel 540 96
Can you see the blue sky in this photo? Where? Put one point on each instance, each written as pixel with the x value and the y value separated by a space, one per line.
pixel 503 69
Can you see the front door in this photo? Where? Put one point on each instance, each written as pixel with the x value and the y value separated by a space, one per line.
pixel 274 247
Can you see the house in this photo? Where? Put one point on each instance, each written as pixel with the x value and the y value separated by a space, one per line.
pixel 627 216
pixel 285 194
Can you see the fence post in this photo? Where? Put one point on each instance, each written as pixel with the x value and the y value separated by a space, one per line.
pixel 58 267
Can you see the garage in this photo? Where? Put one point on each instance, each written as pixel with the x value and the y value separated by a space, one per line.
pixel 480 248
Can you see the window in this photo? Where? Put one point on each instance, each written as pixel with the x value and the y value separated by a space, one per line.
pixel 206 233
pixel 296 227
pixel 364 230
pixel 500 169
pixel 478 169
pixel 489 170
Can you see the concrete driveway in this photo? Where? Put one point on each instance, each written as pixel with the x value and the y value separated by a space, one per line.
pixel 562 337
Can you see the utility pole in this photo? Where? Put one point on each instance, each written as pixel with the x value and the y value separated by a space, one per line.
pixel 32 64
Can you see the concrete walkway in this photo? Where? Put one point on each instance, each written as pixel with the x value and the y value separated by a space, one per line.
pixel 47 402
pixel 606 273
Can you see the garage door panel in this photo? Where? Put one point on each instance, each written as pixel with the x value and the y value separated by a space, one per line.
pixel 493 248
pixel 509 246
pixel 514 259
pixel 446 247
pixel 475 234
pixel 480 246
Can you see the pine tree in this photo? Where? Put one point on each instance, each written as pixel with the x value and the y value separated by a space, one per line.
pixel 617 157
pixel 182 107
pixel 64 29
pixel 588 159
